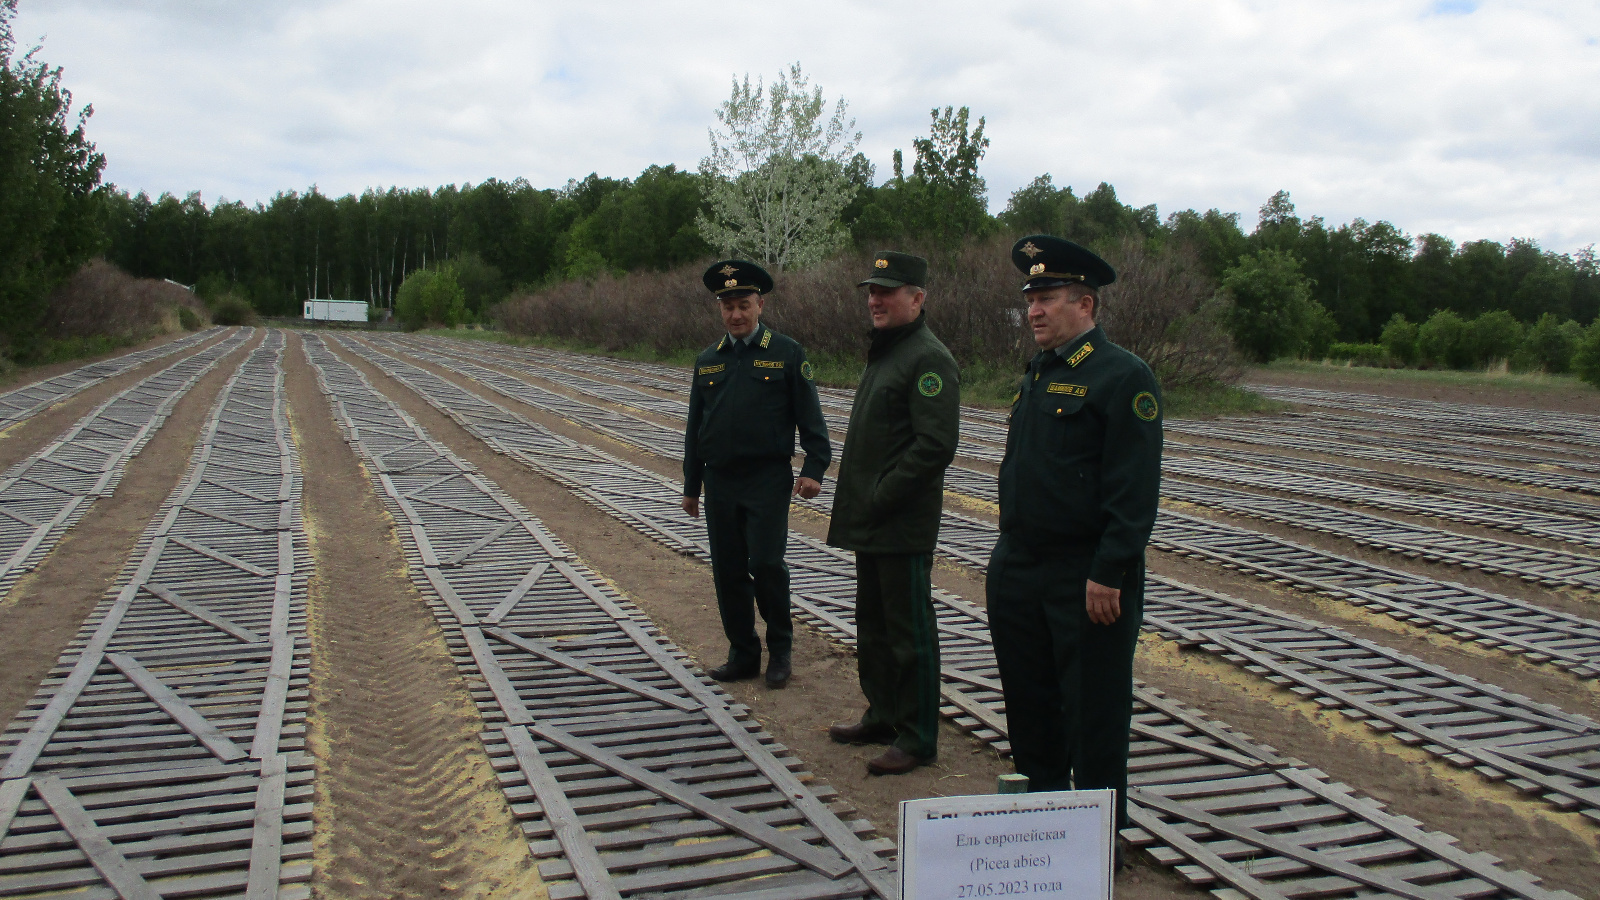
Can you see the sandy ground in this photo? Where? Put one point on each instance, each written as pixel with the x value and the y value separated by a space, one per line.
pixel 407 803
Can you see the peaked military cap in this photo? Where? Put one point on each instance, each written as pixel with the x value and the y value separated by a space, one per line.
pixel 1049 261
pixel 891 268
pixel 736 276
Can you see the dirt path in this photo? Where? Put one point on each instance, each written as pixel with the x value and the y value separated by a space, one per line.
pixel 407 802
pixel 676 592
pixel 44 610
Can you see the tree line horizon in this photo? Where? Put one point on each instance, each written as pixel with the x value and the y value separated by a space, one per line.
pixel 510 237
pixel 783 184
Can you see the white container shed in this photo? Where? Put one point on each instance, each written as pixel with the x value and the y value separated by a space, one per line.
pixel 336 311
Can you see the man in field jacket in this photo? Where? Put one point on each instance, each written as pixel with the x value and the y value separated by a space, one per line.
pixel 752 391
pixel 1079 490
pixel 903 431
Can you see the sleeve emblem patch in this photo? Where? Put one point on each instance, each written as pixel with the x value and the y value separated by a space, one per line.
pixel 806 371
pixel 1145 406
pixel 930 384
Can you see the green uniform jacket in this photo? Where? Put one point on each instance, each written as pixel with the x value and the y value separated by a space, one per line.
pixel 747 407
pixel 1082 470
pixel 903 431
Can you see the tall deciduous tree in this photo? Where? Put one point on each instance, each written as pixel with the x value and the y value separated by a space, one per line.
pixel 778 174
pixel 50 215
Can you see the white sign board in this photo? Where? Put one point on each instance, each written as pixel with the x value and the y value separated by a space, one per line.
pixel 1054 845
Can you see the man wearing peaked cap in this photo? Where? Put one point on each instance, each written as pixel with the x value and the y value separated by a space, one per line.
pixel 903 431
pixel 1078 494
pixel 752 390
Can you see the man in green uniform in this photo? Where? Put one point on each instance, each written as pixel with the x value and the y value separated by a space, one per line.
pixel 903 430
pixel 751 391
pixel 1079 489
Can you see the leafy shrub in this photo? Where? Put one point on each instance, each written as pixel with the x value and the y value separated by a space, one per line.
pixel 1494 335
pixel 232 309
pixel 1360 354
pixel 1273 314
pixel 189 319
pixel 1586 358
pixel 1549 345
pixel 1399 338
pixel 431 297
pixel 1442 341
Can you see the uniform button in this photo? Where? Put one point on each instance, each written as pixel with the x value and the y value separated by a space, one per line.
pixel 1058 410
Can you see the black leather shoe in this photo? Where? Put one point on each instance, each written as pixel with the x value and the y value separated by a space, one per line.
pixel 895 761
pixel 732 671
pixel 778 671
pixel 857 733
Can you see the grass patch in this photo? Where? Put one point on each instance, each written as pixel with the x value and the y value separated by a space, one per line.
pixel 1208 401
pixel 1490 378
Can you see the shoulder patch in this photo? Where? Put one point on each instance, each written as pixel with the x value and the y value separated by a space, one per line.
pixel 930 384
pixel 769 363
pixel 1145 406
pixel 806 371
pixel 1081 355
pixel 1075 390
pixel 710 370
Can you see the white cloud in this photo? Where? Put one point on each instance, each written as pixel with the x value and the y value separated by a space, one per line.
pixel 1475 120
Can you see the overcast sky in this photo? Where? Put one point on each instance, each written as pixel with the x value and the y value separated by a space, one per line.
pixel 1470 119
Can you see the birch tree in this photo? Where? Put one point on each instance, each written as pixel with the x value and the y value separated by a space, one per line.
pixel 776 177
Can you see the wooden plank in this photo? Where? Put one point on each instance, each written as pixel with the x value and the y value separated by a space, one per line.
pixel 587 866
pixel 505 693
pixel 280 670
pixel 512 598
pixel 266 840
pixel 173 599
pixel 466 552
pixel 596 672
pixel 12 793
pixel 105 858
pixel 182 713
pixel 1287 849
pixel 219 556
pixel 725 815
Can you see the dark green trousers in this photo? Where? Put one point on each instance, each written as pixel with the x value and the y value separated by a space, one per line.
pixel 1068 682
pixel 747 518
pixel 897 648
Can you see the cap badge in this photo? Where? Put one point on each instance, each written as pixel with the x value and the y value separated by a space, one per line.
pixel 881 263
pixel 727 270
pixel 1031 251
pixel 731 282
pixel 1036 269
